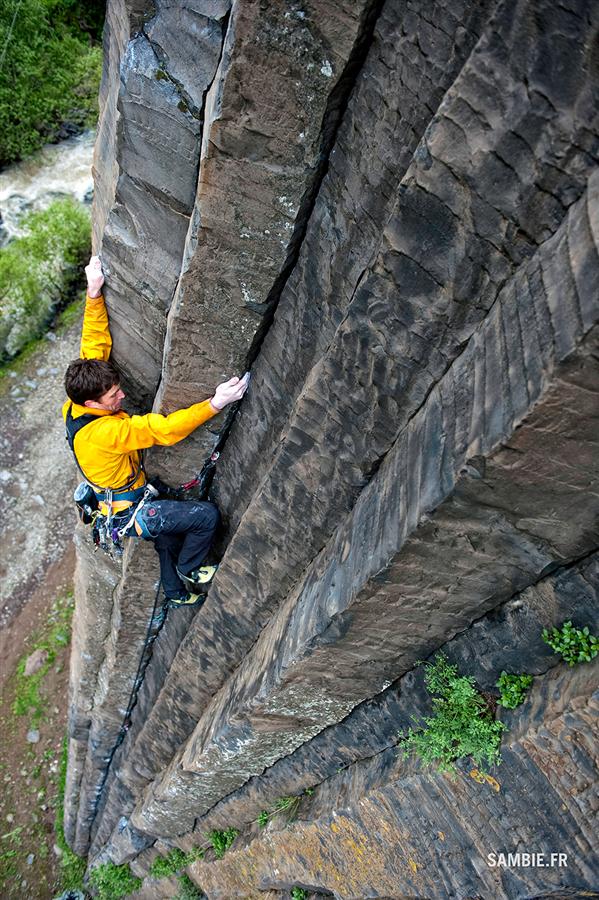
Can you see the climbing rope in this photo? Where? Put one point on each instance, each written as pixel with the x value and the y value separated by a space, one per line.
pixel 9 35
pixel 202 482
pixel 154 626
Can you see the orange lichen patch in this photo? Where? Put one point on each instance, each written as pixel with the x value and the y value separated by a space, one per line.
pixel 482 778
pixel 414 866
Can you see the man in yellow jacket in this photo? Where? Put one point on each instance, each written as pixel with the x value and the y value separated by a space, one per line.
pixel 107 445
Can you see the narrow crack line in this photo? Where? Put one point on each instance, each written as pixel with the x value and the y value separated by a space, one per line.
pixel 336 107
pixel 396 684
pixel 202 118
pixel 154 627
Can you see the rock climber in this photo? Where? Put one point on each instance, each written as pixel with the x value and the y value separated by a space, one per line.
pixel 107 444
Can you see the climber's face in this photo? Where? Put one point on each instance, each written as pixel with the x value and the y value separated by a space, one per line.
pixel 111 400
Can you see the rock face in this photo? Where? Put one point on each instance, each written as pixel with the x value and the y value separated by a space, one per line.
pixel 390 212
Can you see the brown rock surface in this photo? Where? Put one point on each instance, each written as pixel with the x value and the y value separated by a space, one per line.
pixel 386 828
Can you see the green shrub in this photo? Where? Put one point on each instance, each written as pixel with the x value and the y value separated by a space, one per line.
pixel 222 840
pixel 113 882
pixel 575 645
pixel 188 890
pixel 513 689
pixel 462 724
pixel 283 805
pixel 174 862
pixel 50 73
pixel 298 893
pixel 163 866
pixel 38 270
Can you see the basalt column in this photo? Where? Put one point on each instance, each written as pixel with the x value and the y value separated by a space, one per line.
pixel 389 212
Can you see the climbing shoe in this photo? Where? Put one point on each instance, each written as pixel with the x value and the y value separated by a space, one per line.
pixel 188 599
pixel 199 579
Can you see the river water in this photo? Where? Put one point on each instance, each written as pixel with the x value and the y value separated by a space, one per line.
pixel 54 171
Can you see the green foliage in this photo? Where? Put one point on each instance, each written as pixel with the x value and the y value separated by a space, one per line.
pixel 283 805
pixel 298 893
pixel 38 270
pixel 513 689
pixel 575 645
pixel 174 862
pixel 289 805
pixel 188 890
pixel 462 724
pixel 113 882
pixel 28 699
pixel 163 866
pixel 50 73
pixel 222 840
pixel 72 868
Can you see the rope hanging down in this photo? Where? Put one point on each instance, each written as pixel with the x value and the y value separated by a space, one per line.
pixel 157 619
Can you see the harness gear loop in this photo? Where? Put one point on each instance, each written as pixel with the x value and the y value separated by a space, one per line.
pixel 149 492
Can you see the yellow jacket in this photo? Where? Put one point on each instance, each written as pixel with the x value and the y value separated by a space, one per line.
pixel 108 451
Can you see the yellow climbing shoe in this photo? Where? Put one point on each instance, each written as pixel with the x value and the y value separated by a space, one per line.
pixel 188 599
pixel 199 578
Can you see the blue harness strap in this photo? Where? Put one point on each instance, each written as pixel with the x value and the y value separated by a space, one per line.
pixel 73 426
pixel 132 495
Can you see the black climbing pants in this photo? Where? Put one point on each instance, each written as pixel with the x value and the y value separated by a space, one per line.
pixel 182 533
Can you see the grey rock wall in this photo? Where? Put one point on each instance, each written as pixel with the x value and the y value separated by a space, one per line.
pixel 422 540
pixel 390 212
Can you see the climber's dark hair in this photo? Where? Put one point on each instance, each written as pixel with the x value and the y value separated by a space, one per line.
pixel 89 379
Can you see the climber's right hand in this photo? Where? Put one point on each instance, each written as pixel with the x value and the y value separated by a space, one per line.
pixel 229 391
pixel 95 277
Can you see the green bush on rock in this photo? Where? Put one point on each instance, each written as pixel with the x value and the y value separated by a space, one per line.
pixel 222 840
pixel 513 689
pixel 174 862
pixel 188 890
pixel 50 73
pixel 113 882
pixel 575 645
pixel 39 269
pixel 462 725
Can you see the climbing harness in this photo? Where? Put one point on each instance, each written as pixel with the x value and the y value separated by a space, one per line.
pixel 109 529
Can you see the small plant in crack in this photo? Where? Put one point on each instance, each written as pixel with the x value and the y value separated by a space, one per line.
pixel 298 893
pixel 462 724
pixel 112 882
pixel 287 806
pixel 575 645
pixel 513 689
pixel 222 840
pixel 188 890
pixel 175 861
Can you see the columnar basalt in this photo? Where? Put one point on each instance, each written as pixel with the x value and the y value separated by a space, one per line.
pixel 390 212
